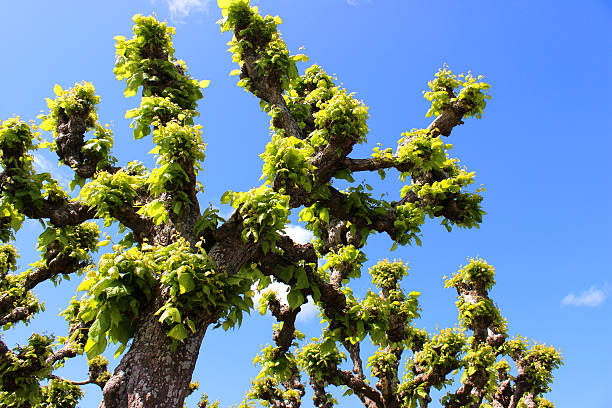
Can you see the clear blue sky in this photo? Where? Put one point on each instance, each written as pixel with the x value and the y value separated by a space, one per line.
pixel 542 149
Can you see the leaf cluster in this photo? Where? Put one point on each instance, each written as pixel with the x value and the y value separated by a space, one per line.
pixel 264 214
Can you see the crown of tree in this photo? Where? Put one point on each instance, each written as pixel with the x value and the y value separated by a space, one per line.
pixel 180 269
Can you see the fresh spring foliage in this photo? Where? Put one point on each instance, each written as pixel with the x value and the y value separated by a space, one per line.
pixel 178 269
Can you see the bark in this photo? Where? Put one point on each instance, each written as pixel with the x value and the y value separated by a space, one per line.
pixel 154 373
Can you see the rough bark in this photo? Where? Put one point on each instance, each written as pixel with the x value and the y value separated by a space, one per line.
pixel 154 373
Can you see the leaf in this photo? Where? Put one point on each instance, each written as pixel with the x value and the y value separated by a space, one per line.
pixel 92 348
pixel 120 350
pixel 227 197
pixel 175 314
pixel 95 331
pixel 191 325
pixel 295 299
pixel 47 125
pixel 327 346
pixel 176 207
pixel 47 237
pixel 128 93
pixel 85 285
pixel 302 279
pixel 178 332
pixel 186 283
pixel 102 243
pixel 105 320
pixel 204 83
pixel 58 90
pixel 120 333
pixel 324 215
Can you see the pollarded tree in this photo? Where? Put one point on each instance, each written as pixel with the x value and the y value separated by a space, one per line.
pixel 179 269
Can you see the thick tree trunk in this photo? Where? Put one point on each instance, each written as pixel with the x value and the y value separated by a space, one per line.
pixel 153 374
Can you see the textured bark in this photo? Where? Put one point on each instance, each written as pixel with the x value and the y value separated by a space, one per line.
pixel 153 373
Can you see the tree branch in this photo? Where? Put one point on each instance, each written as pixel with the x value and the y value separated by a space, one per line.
pixel 362 389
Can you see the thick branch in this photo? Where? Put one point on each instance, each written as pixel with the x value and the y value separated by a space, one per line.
pixel 283 313
pixel 70 140
pixel 268 88
pixel 68 351
pixel 142 227
pixel 62 264
pixel 18 314
pixel 373 164
pixel 58 210
pixel 362 389
pixel 449 118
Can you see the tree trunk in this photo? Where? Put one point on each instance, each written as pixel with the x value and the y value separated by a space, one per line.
pixel 153 373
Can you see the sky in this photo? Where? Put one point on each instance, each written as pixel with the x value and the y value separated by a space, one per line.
pixel 541 150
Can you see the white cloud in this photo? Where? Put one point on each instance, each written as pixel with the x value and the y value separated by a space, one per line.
pixel 42 165
pixel 592 297
pixel 182 8
pixel 299 234
pixel 308 310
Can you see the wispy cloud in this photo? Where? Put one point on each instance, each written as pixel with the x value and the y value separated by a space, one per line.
pixel 42 165
pixel 299 234
pixel 307 311
pixel 182 8
pixel 357 2
pixel 592 297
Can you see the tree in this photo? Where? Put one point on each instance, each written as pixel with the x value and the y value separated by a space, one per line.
pixel 179 269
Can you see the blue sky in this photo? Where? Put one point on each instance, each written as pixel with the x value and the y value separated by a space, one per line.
pixel 542 149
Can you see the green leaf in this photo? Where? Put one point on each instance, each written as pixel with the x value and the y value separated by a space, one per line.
pixel 324 215
pixel 178 332
pixel 47 125
pixel 176 207
pixel 128 93
pixel 85 285
pixel 120 350
pixel 93 348
pixel 186 283
pixel 191 325
pixel 57 90
pixel 95 331
pixel 204 83
pixel 226 198
pixel 47 237
pixel 295 299
pixel 328 346
pixel 105 320
pixel 302 279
